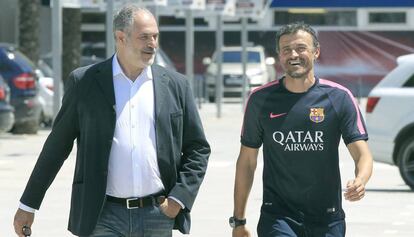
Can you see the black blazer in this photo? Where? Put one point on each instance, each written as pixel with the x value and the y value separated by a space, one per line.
pixel 88 115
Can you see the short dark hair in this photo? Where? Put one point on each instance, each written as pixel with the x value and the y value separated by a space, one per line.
pixel 294 28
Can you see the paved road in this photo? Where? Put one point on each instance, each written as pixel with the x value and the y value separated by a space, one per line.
pixel 387 210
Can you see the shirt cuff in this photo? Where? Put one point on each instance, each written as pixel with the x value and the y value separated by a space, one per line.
pixel 26 208
pixel 178 201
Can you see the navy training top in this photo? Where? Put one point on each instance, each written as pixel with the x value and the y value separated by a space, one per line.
pixel 300 133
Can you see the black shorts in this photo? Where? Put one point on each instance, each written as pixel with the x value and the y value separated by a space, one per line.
pixel 277 226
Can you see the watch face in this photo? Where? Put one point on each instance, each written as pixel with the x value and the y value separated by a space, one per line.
pixel 234 222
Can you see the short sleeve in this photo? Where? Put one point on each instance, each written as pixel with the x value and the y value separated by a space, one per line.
pixel 252 132
pixel 352 123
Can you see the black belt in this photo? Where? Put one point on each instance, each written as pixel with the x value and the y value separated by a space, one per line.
pixel 132 203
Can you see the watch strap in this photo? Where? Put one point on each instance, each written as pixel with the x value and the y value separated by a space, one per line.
pixel 235 222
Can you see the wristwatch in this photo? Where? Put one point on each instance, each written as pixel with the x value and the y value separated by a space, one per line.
pixel 234 222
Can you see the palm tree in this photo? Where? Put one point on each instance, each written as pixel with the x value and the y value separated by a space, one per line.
pixel 29 21
pixel 71 18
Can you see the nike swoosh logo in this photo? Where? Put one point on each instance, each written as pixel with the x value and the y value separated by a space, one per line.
pixel 272 116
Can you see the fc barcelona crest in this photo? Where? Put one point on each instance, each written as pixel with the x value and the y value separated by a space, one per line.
pixel 316 115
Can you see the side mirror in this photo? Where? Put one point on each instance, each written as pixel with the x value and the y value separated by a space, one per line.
pixel 206 61
pixel 270 61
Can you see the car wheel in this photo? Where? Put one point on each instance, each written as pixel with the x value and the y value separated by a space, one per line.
pixel 26 128
pixel 406 162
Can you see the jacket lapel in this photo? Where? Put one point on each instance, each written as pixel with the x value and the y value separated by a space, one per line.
pixel 160 89
pixel 105 80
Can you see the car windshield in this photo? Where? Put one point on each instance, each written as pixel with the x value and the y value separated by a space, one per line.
pixel 235 57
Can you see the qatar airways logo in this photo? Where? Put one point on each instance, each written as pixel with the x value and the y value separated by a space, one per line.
pixel 300 140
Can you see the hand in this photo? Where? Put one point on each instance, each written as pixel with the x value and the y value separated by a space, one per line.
pixel 355 190
pixel 22 218
pixel 241 231
pixel 170 208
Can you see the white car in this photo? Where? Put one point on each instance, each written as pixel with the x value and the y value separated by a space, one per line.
pixel 259 71
pixel 390 119
pixel 45 96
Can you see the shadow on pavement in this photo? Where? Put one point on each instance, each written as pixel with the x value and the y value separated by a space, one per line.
pixel 382 190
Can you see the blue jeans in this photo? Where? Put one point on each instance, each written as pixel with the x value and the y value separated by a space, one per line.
pixel 118 221
pixel 272 226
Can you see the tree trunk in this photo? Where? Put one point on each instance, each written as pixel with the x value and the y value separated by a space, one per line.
pixel 29 21
pixel 71 18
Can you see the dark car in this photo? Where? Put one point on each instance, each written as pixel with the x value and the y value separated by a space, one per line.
pixel 6 110
pixel 19 73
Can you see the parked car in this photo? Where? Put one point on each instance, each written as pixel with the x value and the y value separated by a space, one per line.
pixel 6 110
pixel 258 71
pixel 19 73
pixel 390 119
pixel 45 96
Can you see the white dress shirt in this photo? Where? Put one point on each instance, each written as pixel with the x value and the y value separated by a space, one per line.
pixel 133 169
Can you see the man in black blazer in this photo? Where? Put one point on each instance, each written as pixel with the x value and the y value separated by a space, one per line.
pixel 141 149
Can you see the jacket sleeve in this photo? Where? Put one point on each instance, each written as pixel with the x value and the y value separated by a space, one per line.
pixel 195 153
pixel 56 149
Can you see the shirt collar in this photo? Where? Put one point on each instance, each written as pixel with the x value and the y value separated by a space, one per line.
pixel 117 70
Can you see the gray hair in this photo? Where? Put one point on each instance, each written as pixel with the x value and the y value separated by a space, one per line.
pixel 294 28
pixel 124 18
